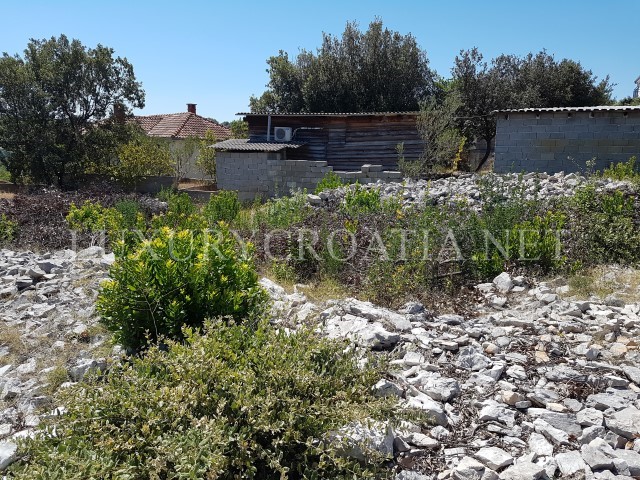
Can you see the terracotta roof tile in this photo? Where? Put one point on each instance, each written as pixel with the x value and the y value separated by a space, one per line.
pixel 180 125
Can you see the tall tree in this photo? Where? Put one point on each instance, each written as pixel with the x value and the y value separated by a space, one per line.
pixel 376 70
pixel 55 104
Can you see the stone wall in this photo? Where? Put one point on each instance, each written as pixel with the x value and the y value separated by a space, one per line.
pixel 267 174
pixel 565 141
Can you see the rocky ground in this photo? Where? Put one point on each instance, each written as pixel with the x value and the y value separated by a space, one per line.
pixel 535 383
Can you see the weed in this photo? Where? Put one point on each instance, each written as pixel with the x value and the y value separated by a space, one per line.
pixel 223 206
pixel 330 181
pixel 8 229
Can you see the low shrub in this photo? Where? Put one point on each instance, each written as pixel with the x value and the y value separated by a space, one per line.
pixel 222 206
pixel 5 176
pixel 92 217
pixel 623 171
pixel 360 200
pixel 234 402
pixel 8 229
pixel 284 212
pixel 330 181
pixel 603 227
pixel 181 214
pixel 178 278
pixel 141 157
pixel 131 213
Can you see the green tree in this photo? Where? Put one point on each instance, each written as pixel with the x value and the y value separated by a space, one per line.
pixel 546 82
pixel 629 101
pixel 437 127
pixel 511 82
pixel 376 70
pixel 54 106
pixel 239 129
pixel 143 156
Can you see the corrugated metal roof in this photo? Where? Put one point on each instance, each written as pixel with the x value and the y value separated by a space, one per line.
pixel 601 108
pixel 245 145
pixel 329 114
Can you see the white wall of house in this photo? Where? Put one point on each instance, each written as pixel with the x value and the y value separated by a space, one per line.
pixel 190 169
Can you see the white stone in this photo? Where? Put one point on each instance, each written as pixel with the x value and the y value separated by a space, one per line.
pixel 539 445
pixel 503 282
pixel 8 454
pixel 570 462
pixel 493 457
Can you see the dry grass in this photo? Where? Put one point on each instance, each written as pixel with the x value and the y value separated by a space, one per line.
pixel 602 281
pixel 317 291
pixel 7 195
pixel 325 289
pixel 12 338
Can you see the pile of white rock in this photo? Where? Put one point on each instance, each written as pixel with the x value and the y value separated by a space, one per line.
pixel 472 187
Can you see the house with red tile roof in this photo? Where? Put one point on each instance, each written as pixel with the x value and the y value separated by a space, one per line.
pixel 177 127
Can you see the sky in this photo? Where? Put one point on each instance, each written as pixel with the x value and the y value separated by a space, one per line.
pixel 213 53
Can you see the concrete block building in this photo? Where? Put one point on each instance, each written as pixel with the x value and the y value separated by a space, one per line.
pixel 565 139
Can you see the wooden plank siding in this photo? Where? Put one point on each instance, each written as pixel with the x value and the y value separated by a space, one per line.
pixel 346 141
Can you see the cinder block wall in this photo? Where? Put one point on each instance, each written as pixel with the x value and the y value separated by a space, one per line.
pixel 557 141
pixel 264 174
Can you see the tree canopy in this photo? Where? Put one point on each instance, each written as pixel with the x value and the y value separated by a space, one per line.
pixel 376 70
pixel 55 105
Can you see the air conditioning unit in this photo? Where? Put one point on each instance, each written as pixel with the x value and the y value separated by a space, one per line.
pixel 282 134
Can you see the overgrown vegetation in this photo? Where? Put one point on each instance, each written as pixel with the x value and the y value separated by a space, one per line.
pixel 389 254
pixel 206 159
pixel 5 176
pixel 628 171
pixel 8 229
pixel 222 206
pixel 234 402
pixel 235 396
pixel 330 181
pixel 142 156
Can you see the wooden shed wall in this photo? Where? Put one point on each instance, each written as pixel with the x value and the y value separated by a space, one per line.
pixel 348 142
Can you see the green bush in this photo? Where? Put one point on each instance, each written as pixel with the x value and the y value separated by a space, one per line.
pixel 222 206
pixel 141 157
pixel 602 227
pixel 165 193
pixel 360 200
pixel 5 176
pixel 181 214
pixel 92 217
pixel 130 211
pixel 178 278
pixel 330 181
pixel 623 171
pixel 285 211
pixel 8 229
pixel 233 403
